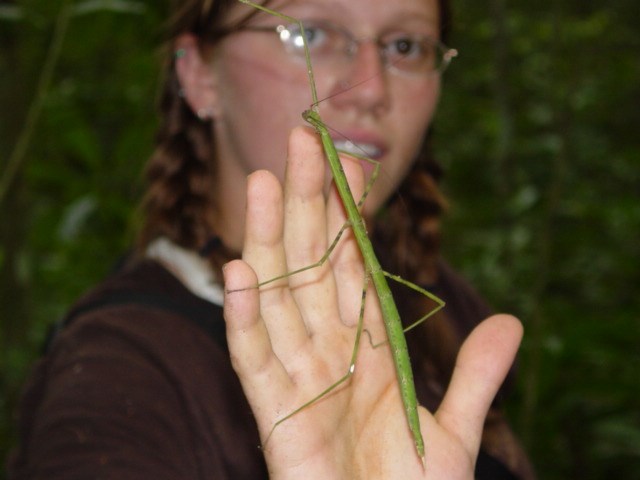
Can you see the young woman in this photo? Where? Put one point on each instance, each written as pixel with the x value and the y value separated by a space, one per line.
pixel 143 382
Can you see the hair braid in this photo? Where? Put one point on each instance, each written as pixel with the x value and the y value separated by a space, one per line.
pixel 178 203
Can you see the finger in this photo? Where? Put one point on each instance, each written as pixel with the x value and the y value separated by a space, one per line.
pixel 264 252
pixel 261 374
pixel 305 230
pixel 304 199
pixel 481 367
pixel 263 248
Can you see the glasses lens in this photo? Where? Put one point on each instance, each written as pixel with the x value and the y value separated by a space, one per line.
pixel 413 53
pixel 325 42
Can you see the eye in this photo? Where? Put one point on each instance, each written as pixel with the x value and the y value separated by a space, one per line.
pixel 410 52
pixel 403 46
pixel 316 36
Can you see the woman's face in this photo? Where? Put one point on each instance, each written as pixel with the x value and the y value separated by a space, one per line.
pixel 261 92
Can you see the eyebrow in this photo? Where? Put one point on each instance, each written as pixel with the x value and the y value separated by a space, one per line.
pixel 330 11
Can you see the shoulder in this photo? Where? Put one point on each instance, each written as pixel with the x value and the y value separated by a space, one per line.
pixel 133 377
pixel 142 322
pixel 144 296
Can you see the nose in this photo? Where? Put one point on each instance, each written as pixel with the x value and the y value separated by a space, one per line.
pixel 363 84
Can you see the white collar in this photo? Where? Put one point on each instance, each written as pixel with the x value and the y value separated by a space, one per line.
pixel 193 271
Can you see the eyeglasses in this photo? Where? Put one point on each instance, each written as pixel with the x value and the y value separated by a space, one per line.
pixel 333 46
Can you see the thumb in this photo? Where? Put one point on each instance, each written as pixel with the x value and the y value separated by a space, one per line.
pixel 482 365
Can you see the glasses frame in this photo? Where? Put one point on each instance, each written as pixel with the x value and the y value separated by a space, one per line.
pixel 445 53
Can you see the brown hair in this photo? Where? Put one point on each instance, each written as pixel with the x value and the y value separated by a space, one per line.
pixel 180 206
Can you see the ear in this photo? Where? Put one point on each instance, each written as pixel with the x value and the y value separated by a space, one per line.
pixel 196 77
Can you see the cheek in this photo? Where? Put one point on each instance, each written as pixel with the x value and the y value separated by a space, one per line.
pixel 413 109
pixel 260 104
pixel 417 107
pixel 413 117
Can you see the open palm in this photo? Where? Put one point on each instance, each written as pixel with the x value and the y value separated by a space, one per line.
pixel 294 337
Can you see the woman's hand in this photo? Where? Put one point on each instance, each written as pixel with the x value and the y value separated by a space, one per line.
pixel 294 337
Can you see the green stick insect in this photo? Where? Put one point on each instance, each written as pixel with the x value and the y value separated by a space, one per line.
pixel 394 328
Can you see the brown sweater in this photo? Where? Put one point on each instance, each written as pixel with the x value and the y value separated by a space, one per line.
pixel 138 385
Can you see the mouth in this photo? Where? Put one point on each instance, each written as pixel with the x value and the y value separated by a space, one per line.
pixel 368 150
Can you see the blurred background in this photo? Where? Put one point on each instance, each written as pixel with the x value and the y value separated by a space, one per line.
pixel 539 134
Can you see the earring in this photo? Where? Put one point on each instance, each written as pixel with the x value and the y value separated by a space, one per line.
pixel 205 113
pixel 181 52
